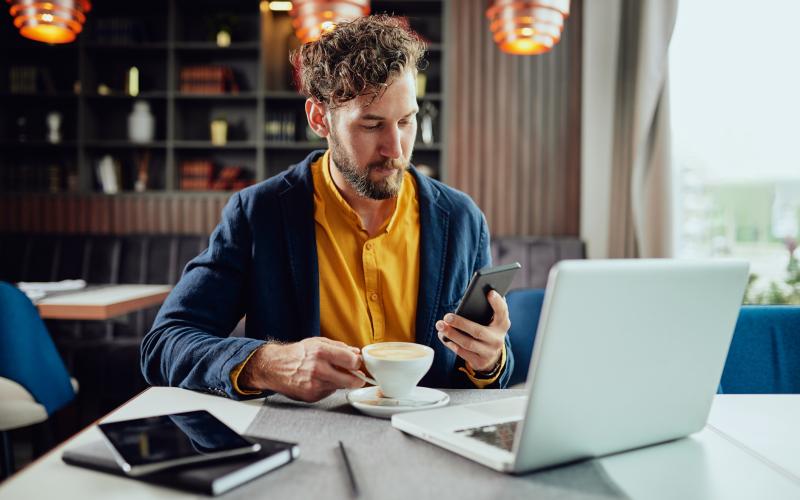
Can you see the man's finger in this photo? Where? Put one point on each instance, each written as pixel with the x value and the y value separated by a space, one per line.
pixel 466 342
pixel 340 344
pixel 500 308
pixel 468 356
pixel 343 357
pixel 465 325
pixel 337 378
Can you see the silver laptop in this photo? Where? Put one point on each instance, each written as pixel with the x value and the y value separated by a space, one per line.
pixel 628 353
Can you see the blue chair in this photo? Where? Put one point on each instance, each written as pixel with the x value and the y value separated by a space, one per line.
pixel 764 357
pixel 33 380
pixel 524 308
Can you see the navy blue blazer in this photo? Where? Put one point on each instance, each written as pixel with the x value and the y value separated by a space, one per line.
pixel 262 262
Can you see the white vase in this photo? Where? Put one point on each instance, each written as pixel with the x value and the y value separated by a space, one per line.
pixel 141 124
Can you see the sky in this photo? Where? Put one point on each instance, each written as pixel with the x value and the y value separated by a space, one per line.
pixel 735 89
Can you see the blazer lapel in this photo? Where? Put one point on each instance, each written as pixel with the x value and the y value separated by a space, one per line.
pixel 297 205
pixel 434 226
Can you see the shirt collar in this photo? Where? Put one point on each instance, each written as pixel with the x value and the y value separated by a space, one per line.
pixel 402 201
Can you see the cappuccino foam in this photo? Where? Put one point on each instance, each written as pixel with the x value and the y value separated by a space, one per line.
pixel 397 352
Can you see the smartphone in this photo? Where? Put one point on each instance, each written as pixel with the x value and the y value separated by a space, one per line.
pixel 474 305
pixel 144 445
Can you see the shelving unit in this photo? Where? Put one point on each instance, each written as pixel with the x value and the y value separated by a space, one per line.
pixel 85 83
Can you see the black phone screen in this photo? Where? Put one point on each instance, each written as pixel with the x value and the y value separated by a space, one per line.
pixel 474 305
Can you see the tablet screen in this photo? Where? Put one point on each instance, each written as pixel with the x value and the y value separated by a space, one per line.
pixel 172 437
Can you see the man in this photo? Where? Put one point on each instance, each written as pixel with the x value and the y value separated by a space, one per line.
pixel 349 247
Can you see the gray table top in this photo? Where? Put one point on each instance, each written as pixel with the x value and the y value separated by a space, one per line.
pixel 389 464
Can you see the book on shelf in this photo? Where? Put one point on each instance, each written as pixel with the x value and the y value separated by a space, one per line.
pixel 208 79
pixel 196 175
pixel 119 30
pixel 200 175
pixel 280 126
pixel 31 177
pixel 30 80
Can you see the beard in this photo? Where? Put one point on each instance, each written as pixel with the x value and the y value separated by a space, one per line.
pixel 359 179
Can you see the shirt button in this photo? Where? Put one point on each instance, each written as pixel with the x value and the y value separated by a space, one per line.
pixel 369 246
pixel 373 296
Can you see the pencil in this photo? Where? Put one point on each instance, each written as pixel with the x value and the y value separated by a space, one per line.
pixel 353 484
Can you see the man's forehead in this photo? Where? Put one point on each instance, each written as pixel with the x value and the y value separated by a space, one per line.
pixel 396 97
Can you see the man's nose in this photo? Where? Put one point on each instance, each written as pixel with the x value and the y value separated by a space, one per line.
pixel 390 144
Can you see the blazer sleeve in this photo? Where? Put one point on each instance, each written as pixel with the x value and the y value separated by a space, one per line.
pixel 483 259
pixel 189 344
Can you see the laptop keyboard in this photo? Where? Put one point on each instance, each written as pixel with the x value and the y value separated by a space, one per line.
pixel 499 435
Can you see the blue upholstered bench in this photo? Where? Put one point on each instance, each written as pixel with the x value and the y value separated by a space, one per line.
pixel 764 356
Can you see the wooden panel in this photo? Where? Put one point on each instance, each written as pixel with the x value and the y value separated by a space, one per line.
pixel 161 213
pixel 513 125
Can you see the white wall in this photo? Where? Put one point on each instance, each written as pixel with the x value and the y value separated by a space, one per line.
pixel 600 38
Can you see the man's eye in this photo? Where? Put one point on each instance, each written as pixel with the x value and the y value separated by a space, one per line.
pixel 372 127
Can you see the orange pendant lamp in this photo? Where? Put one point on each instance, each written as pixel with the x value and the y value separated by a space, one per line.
pixel 51 21
pixel 312 18
pixel 527 27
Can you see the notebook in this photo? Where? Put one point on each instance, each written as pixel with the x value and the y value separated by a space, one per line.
pixel 211 479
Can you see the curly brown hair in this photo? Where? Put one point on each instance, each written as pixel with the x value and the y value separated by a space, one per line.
pixel 357 58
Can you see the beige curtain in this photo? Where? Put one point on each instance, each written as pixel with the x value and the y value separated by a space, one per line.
pixel 641 196
pixel 512 125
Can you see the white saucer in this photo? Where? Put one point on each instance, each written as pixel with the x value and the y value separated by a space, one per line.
pixel 424 398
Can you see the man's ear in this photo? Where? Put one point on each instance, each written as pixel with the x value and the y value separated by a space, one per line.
pixel 315 114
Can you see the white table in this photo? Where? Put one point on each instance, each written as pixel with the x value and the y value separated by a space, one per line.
pixel 768 425
pixel 102 302
pixel 707 465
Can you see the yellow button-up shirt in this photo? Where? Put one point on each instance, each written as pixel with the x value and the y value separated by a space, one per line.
pixel 368 286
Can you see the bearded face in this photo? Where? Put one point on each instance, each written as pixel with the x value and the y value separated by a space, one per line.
pixel 379 180
pixel 371 139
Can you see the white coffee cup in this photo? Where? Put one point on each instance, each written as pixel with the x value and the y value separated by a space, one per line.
pixel 397 366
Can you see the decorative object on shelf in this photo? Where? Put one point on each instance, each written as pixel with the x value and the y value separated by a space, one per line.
pixel 142 171
pixel 22 128
pixel 54 127
pixel 425 170
pixel 428 113
pixel 312 18
pixel 219 131
pixel 223 38
pixel 53 178
pixel 108 172
pixel 72 180
pixel 50 21
pixel 527 27
pixel 141 123
pixel 276 6
pixel 422 80
pixel 132 81
pixel 221 27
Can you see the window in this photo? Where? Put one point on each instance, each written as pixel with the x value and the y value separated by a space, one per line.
pixel 735 104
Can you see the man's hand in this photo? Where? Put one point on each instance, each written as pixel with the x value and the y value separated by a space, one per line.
pixel 308 370
pixel 481 346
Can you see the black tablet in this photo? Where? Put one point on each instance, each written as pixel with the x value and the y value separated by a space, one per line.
pixel 145 445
